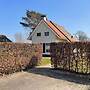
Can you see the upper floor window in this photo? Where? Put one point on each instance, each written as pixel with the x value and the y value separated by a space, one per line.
pixel 38 34
pixel 46 33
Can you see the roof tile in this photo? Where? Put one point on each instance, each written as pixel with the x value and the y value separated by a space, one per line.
pixel 60 31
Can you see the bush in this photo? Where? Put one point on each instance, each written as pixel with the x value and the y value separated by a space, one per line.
pixel 71 56
pixel 16 57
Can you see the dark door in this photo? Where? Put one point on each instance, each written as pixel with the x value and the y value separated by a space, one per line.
pixel 43 47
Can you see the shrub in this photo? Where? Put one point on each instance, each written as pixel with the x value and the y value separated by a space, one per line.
pixel 71 56
pixel 16 57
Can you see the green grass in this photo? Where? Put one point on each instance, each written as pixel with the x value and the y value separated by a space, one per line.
pixel 45 61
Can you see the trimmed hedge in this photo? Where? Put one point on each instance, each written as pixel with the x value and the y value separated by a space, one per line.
pixel 16 57
pixel 74 57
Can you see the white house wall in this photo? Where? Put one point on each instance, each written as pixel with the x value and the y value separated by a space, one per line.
pixel 44 39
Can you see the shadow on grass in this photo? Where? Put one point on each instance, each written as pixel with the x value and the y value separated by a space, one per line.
pixel 63 75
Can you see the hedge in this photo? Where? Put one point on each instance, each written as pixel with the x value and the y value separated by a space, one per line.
pixel 16 57
pixel 74 57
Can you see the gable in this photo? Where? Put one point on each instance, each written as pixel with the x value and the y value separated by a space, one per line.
pixel 41 25
pixel 57 31
pixel 42 28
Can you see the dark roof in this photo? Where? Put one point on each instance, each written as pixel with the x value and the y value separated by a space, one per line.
pixel 3 38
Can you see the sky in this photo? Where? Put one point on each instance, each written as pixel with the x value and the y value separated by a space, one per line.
pixel 74 15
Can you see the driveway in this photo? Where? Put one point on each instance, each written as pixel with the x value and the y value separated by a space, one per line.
pixel 43 78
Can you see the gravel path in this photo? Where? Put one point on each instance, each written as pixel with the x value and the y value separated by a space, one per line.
pixel 43 78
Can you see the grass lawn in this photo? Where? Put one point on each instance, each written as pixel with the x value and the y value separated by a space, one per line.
pixel 45 61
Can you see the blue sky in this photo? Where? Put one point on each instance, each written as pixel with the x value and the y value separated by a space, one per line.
pixel 74 15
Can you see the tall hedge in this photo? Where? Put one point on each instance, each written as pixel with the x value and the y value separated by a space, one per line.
pixel 15 56
pixel 74 57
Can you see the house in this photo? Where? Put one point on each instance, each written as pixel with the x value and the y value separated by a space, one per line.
pixel 47 32
pixel 3 38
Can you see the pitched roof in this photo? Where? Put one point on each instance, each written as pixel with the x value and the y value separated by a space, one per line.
pixel 60 31
pixel 3 38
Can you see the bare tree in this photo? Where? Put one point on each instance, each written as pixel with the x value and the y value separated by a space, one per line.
pixel 18 37
pixel 31 19
pixel 81 36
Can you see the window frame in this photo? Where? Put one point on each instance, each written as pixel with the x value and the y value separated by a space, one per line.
pixel 39 34
pixel 46 33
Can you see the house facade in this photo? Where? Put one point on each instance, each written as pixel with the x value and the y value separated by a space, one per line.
pixel 47 32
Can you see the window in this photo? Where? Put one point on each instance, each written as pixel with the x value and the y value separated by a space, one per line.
pixel 47 50
pixel 38 34
pixel 46 33
pixel 71 36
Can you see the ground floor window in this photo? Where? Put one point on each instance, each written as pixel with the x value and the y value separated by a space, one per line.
pixel 47 50
pixel 46 47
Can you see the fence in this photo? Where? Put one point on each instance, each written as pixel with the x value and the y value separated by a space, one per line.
pixel 15 57
pixel 74 57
